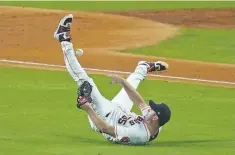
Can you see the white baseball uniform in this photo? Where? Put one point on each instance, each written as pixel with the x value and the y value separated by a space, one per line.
pixel 129 127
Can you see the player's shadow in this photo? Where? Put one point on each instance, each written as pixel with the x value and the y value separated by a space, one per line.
pixel 188 143
pixel 175 143
pixel 84 139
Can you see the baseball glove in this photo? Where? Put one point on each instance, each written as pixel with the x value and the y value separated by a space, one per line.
pixel 84 94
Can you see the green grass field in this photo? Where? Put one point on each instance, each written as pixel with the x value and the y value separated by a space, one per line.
pixel 38 115
pixel 195 44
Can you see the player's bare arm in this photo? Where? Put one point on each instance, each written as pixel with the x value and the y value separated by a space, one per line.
pixel 84 102
pixel 131 92
pixel 99 123
pixel 151 118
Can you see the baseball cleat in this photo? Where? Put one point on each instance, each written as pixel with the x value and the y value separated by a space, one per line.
pixel 155 66
pixel 62 32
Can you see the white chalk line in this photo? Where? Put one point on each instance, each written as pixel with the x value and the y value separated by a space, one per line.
pixel 120 72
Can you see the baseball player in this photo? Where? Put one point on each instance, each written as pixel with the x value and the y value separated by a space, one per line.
pixel 114 119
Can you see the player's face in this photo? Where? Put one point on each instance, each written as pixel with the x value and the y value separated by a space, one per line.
pixel 152 116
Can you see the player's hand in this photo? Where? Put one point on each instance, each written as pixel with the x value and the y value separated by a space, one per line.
pixel 81 100
pixel 83 103
pixel 84 94
pixel 116 79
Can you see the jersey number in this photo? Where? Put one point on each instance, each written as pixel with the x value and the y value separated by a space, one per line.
pixel 124 119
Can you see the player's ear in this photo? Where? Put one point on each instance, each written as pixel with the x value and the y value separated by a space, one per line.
pixel 155 117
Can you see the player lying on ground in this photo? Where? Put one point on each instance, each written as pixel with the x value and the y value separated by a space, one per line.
pixel 114 119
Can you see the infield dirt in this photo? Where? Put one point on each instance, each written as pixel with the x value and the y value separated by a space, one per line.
pixel 27 35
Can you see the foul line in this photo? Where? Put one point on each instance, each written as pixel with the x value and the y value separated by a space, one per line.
pixel 120 72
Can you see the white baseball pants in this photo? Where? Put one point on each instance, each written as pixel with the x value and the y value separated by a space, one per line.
pixel 101 105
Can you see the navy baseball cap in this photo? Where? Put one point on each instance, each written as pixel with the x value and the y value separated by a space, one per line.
pixel 162 110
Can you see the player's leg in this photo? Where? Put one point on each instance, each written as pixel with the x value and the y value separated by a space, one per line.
pixel 100 104
pixel 72 65
pixel 141 71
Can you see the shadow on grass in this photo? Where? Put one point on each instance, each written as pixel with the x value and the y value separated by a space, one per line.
pixel 188 143
pixel 84 140
pixel 95 141
pixel 176 143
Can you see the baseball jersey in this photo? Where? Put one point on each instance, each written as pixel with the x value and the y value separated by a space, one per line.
pixel 129 128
